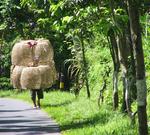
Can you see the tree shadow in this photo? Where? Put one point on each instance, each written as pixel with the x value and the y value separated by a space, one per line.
pixel 3 111
pixel 92 121
pixel 67 102
pixel 26 126
pixel 19 116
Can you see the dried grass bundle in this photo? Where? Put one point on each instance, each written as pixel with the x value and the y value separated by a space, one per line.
pixel 44 51
pixel 15 76
pixel 30 78
pixel 46 76
pixel 22 53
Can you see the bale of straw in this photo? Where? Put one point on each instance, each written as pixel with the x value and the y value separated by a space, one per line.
pixel 44 51
pixel 15 76
pixel 30 78
pixel 42 76
pixel 11 71
pixel 53 71
pixel 22 53
pixel 46 76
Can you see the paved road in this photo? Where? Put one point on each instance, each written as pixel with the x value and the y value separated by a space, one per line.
pixel 19 118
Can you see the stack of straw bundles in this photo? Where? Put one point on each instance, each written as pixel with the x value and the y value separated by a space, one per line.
pixel 33 64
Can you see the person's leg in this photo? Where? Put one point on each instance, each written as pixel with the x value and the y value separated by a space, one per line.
pixel 33 97
pixel 40 96
pixel 39 104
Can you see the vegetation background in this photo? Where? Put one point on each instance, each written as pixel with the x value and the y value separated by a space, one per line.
pixel 78 31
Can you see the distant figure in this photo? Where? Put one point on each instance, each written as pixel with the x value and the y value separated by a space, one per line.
pixel 34 67
pixel 36 93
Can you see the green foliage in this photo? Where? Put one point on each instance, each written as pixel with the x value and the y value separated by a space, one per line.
pixel 5 58
pixel 76 65
pixel 98 57
pixel 5 83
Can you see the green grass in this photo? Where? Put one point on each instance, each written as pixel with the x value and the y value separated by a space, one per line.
pixel 80 116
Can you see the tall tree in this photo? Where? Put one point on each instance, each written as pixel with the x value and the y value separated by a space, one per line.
pixel 133 10
pixel 116 64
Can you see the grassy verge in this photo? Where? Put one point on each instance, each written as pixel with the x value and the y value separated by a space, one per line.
pixel 80 116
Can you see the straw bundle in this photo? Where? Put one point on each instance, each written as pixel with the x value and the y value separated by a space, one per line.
pixel 44 51
pixel 15 76
pixel 30 78
pixel 22 53
pixel 12 68
pixel 46 76
pixel 37 77
pixel 11 71
pixel 53 71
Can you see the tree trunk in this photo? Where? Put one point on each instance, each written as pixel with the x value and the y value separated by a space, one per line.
pixel 115 90
pixel 123 108
pixel 132 71
pixel 116 63
pixel 85 67
pixel 125 62
pixel 128 97
pixel 140 67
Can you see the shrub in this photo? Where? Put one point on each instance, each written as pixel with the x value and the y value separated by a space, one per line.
pixel 5 83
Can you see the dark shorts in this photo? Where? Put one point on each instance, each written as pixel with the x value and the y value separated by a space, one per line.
pixel 38 93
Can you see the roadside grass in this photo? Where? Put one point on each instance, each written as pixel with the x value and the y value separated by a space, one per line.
pixel 80 116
